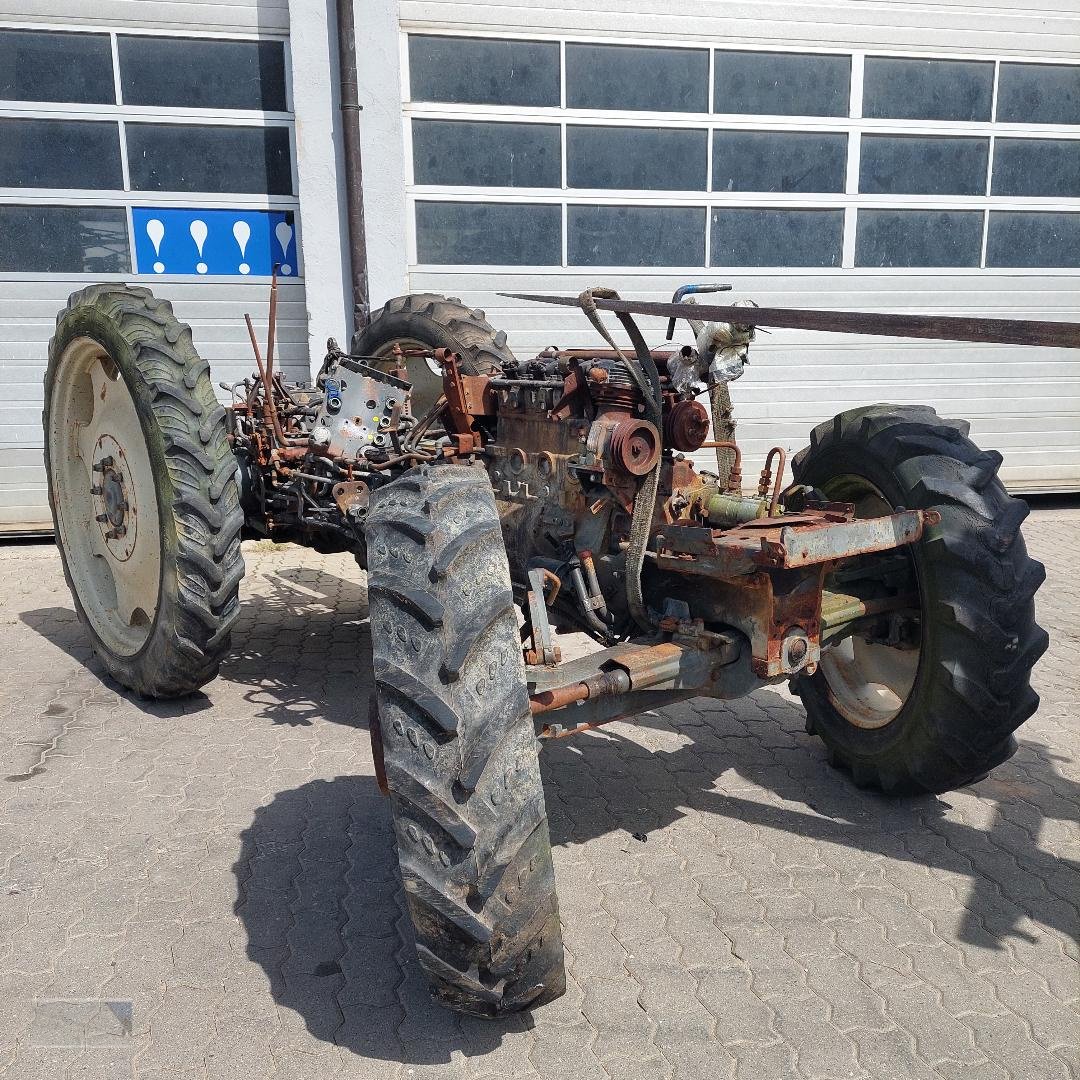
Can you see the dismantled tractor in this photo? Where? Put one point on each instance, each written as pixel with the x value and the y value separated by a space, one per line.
pixel 496 501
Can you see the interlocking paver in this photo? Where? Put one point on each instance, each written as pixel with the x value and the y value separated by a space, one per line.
pixel 225 863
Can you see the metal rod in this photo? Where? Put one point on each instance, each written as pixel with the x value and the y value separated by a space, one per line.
pixel 271 327
pixel 939 327
pixel 354 173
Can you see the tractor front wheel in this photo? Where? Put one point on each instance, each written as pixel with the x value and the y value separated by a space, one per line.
pixel 457 742
pixel 142 483
pixel 925 698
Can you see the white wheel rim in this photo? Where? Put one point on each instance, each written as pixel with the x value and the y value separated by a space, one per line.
pixel 868 683
pixel 105 497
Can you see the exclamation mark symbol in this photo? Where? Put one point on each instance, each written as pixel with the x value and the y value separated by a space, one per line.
pixel 155 229
pixel 241 231
pixel 199 233
pixel 284 234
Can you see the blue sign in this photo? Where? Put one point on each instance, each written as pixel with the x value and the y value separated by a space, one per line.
pixel 234 243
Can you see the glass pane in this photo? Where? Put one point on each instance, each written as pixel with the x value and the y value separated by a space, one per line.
pixel 182 157
pixel 743 237
pixel 913 165
pixel 40 65
pixel 906 89
pixel 782 84
pixel 645 159
pixel 484 71
pixel 1036 167
pixel 64 240
pixel 196 73
pixel 493 234
pixel 635 235
pixel 918 238
pixel 1039 94
pixel 637 77
pixel 60 154
pixel 461 152
pixel 1033 239
pixel 779 161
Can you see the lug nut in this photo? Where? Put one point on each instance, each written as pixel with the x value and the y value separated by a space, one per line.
pixel 102 518
pixel 103 464
pixel 96 489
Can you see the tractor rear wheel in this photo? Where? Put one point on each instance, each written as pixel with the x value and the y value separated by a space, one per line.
pixel 431 321
pixel 142 483
pixel 457 743
pixel 925 699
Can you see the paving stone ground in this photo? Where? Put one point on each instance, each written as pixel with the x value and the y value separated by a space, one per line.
pixel 221 870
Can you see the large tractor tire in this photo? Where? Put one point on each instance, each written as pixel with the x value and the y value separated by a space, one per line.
pixel 142 484
pixel 929 703
pixel 431 321
pixel 458 744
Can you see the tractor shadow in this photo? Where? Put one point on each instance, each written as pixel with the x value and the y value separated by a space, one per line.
pixel 322 905
pixel 317 886
pixel 301 648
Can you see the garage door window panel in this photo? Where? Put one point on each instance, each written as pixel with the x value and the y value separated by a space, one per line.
pixel 779 161
pixel 782 84
pixel 902 88
pixel 44 65
pixel 201 73
pixel 1033 239
pixel 907 238
pixel 64 240
pixel 746 236
pixel 481 71
pixel 459 153
pixel 641 78
pixel 1039 94
pixel 636 235
pixel 489 234
pixel 1037 168
pixel 914 165
pixel 60 154
pixel 636 158
pixel 198 158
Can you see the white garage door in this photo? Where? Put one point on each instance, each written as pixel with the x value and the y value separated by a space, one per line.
pixel 858 165
pixel 137 151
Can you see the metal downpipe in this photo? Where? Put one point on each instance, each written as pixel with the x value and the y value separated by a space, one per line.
pixel 354 174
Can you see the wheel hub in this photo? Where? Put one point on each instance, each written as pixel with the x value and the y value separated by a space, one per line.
pixel 114 498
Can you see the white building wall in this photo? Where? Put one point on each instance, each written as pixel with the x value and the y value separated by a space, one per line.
pixel 1024 402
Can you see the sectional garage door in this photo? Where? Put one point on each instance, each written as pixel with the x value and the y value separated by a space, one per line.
pixel 138 151
pixel 822 162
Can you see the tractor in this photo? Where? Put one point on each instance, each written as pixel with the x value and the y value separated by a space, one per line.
pixel 497 503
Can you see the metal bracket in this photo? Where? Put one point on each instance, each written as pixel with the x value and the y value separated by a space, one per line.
pixel 544 650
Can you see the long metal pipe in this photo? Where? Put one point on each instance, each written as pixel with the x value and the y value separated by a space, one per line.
pixel 354 174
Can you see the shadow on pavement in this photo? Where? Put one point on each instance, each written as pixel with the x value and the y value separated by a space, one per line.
pixel 320 900
pixel 61 627
pixel 318 893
